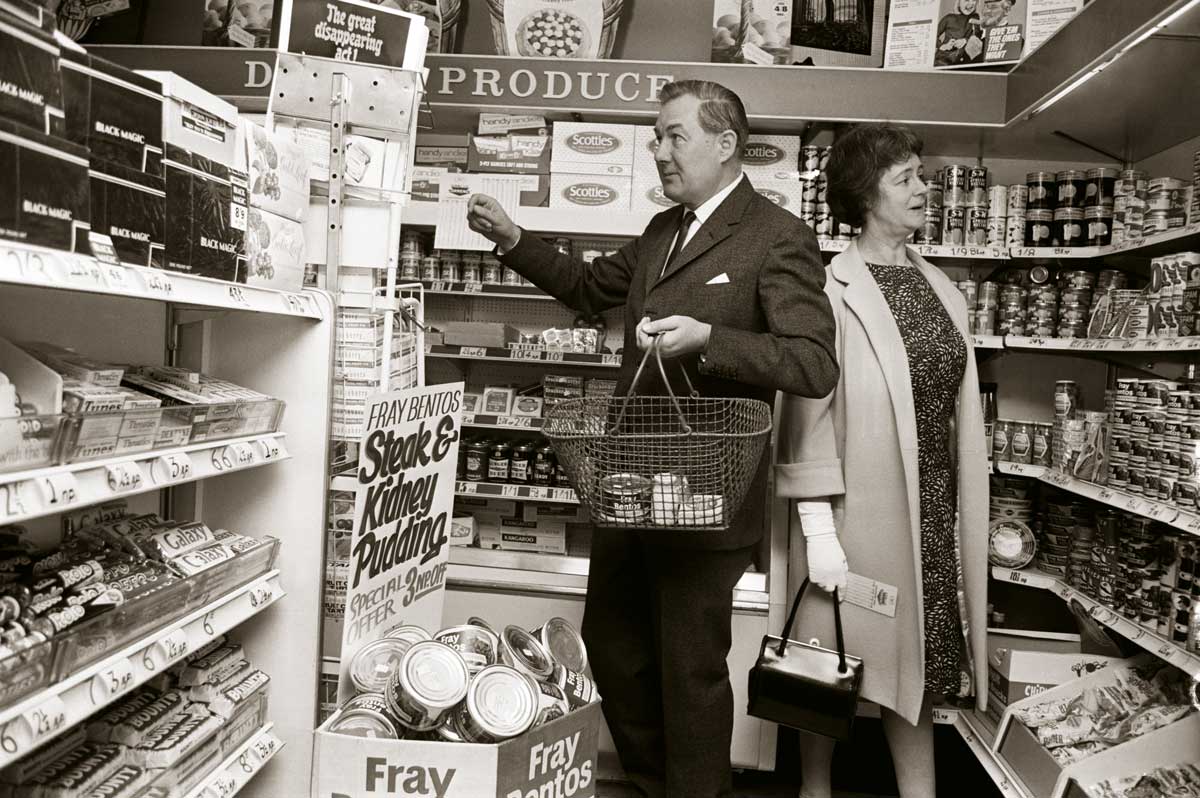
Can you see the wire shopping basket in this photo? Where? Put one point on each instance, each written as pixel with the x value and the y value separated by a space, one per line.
pixel 660 462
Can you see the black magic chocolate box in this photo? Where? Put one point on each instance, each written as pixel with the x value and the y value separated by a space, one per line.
pixel 114 111
pixel 30 79
pixel 43 189
pixel 129 206
pixel 206 216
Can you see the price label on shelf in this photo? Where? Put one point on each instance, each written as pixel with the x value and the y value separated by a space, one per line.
pixel 14 500
pixel 1019 578
pixel 510 491
pixel 944 716
pixel 269 449
pixel 58 490
pixel 1058 478
pixel 118 277
pixel 171 468
pixel 293 303
pixel 1105 495
pixel 610 360
pixel 239 216
pixel 562 494
pixel 470 488
pixel 237 295
pixel 15 737
pixel 929 250
pixel 439 287
pixel 241 453
pixel 516 422
pixel 112 682
pixel 1193 525
pixel 123 477
pixel 46 720
pixel 31 265
pixel 472 288
pixel 1134 505
pixel 173 647
pixel 428 348
pixel 261 596
pixel 82 272
pixel 1165 651
pixel 525 354
pixel 264 747
pixel 1024 252
pixel 554 357
pixel 207 629
pixel 221 459
pixel 223 786
pixel 1162 512
pixel 159 285
pixel 473 351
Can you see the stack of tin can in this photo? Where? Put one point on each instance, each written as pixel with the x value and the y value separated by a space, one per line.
pixel 1013 313
pixel 1166 205
pixel 466 683
pixel 412 251
pixel 997 213
pixel 964 204
pixel 1068 229
pixel 1130 202
pixel 1075 303
pixel 814 184
pixel 1066 531
pixel 931 231
pixel 1024 442
pixel 1098 205
pixel 1067 428
pixel 1014 221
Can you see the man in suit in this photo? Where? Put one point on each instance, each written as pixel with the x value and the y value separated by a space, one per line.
pixel 732 286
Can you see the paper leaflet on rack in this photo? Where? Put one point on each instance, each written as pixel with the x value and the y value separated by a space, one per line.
pixel 400 549
pixel 453 194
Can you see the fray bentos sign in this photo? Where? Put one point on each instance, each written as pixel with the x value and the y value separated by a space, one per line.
pixel 402 506
pixel 556 760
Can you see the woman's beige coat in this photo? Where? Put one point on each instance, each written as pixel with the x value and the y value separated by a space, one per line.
pixel 859 446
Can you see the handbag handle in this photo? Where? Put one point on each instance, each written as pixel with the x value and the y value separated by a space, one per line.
pixel 837 625
pixel 667 383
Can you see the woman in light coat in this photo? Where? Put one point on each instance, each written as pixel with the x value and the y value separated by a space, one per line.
pixel 889 472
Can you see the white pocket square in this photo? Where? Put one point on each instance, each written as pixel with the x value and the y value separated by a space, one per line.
pixel 720 279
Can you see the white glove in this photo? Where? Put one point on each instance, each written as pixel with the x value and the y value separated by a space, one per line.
pixel 827 566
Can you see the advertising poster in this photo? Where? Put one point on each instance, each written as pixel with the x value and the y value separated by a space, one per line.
pixel 402 511
pixel 953 34
pixel 355 30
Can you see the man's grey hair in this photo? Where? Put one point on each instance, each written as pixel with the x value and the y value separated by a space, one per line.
pixel 720 108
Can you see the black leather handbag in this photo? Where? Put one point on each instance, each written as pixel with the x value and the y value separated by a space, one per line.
pixel 803 685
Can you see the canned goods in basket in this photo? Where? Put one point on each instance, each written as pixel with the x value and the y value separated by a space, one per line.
pixel 625 498
pixel 372 701
pixel 478 646
pixel 375 662
pixel 361 722
pixel 501 703
pixel 564 642
pixel 431 679
pixel 521 650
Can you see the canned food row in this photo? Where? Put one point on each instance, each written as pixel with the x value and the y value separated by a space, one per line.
pixel 466 683
pixel 521 462
pixel 1073 188
pixel 1028 442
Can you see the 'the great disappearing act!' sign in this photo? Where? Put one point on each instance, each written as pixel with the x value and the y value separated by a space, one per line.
pixel 354 30
pixel 402 509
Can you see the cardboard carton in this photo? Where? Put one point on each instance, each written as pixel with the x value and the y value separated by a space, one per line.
pixel 597 192
pixel 593 149
pixel 206 217
pixel 113 111
pixel 30 73
pixel 512 153
pixel 1014 674
pixel 515 534
pixel 130 207
pixel 557 758
pixel 196 120
pixel 278 171
pixel 46 201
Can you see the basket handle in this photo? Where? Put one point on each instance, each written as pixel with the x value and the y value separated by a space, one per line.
pixel 667 383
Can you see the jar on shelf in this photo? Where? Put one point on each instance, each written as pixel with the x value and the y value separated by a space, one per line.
pixel 500 462
pixel 472 266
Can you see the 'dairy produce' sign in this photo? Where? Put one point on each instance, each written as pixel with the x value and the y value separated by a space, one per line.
pixel 402 506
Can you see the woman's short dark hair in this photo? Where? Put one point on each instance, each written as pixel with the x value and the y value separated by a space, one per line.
pixel 720 108
pixel 858 159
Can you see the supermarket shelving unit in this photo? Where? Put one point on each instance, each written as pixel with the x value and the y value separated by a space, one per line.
pixel 276 342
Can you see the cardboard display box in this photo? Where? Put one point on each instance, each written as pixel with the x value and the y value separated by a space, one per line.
pixel 514 153
pixel 477 333
pixel 590 191
pixel 206 217
pixel 1014 674
pixel 196 120
pixel 130 207
pixel 593 149
pixel 787 194
pixel 47 198
pixel 1040 772
pixel 515 534
pixel 647 194
pixel 30 73
pixel 772 157
pixel 113 111
pixel 557 758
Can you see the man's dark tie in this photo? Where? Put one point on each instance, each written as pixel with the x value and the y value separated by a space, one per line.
pixel 685 224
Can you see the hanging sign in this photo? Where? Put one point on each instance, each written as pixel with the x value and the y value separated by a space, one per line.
pixel 948 34
pixel 399 550
pixel 355 30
